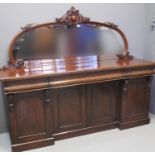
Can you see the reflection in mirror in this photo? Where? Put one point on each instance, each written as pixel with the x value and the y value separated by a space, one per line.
pixel 34 44
pixel 111 42
pixel 83 40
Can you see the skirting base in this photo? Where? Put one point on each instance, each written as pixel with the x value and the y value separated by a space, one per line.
pixel 32 145
pixel 132 124
pixel 77 132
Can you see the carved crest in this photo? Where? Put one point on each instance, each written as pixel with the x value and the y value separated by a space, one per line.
pixel 72 18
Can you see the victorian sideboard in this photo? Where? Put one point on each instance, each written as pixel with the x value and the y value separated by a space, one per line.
pixel 50 99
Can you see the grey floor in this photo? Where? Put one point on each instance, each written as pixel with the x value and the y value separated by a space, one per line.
pixel 136 139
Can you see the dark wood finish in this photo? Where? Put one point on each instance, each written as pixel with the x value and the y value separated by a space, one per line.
pixel 102 102
pixel 54 99
pixel 135 101
pixel 69 108
pixel 85 130
pixel 33 124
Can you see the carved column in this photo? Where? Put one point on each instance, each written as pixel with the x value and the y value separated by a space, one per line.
pixel 12 117
pixel 49 112
pixel 124 95
pixel 47 96
pixel 11 104
pixel 148 90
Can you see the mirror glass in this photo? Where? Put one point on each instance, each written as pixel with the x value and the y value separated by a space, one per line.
pixel 47 42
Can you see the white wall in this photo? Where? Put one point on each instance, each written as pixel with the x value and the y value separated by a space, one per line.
pixel 150 34
pixel 150 48
pixel 131 18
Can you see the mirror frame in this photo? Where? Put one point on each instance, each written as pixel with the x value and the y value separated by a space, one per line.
pixel 71 19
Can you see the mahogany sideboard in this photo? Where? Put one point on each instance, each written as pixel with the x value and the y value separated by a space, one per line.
pixel 58 98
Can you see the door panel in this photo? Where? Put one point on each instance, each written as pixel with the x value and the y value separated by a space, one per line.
pixel 101 103
pixel 136 100
pixel 30 116
pixel 69 108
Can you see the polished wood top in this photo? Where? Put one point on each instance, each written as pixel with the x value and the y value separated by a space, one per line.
pixel 70 65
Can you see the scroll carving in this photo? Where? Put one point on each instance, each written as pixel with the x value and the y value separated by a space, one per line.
pixel 111 25
pixel 125 56
pixel 72 18
pixel 27 27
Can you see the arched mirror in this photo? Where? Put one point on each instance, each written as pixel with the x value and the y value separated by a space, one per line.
pixel 71 35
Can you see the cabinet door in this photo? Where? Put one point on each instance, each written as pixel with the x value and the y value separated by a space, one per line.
pixel 69 108
pixel 135 101
pixel 101 103
pixel 30 116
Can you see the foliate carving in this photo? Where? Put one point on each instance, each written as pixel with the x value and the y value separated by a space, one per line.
pixel 27 27
pixel 126 56
pixel 72 17
pixel 11 105
pixel 18 64
pixel 112 25
pixel 5 67
pixel 125 87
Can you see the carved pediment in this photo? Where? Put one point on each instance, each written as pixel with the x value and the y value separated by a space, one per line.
pixel 72 18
